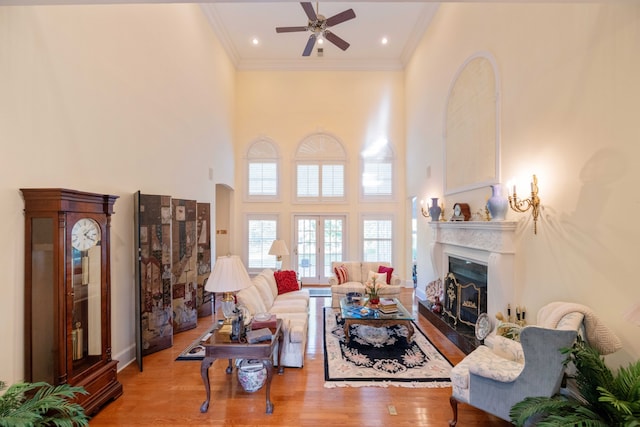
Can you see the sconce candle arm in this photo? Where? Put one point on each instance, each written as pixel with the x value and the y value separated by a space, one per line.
pixel 523 205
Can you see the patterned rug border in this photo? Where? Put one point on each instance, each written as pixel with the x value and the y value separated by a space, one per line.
pixel 369 382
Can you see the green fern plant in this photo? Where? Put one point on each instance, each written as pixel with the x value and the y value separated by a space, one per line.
pixel 605 399
pixel 41 404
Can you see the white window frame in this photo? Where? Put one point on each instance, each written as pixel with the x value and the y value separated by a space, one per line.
pixel 320 149
pixel 262 150
pixel 380 155
pixel 267 245
pixel 378 217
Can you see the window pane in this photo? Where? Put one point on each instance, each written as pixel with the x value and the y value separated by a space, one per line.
pixel 377 242
pixel 377 179
pixel 262 233
pixel 307 244
pixel 332 244
pixel 263 179
pixel 308 181
pixel 332 180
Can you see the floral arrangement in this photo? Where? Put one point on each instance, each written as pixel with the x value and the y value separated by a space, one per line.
pixel 372 288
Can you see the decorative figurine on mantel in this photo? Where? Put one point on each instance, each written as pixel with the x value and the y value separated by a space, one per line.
pixel 437 306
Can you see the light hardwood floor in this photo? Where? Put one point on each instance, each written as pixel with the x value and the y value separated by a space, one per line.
pixel 169 393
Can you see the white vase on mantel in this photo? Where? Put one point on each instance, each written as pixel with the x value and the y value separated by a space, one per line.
pixel 497 203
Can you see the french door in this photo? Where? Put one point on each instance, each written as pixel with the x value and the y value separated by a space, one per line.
pixel 319 241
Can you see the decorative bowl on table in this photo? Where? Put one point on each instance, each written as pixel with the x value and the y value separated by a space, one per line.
pixel 353 297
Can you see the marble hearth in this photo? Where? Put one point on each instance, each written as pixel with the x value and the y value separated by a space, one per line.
pixel 487 243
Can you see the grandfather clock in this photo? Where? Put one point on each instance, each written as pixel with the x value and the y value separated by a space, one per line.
pixel 68 292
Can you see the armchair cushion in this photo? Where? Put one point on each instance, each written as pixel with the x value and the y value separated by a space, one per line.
pixel 341 274
pixel 388 270
pixel 380 277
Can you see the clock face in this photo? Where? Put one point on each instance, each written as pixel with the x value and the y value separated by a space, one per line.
pixel 457 210
pixel 85 234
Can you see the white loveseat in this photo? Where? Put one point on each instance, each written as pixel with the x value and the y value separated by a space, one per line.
pixel 291 307
pixel 357 275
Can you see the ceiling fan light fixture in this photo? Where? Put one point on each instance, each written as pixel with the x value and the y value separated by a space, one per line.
pixel 318 26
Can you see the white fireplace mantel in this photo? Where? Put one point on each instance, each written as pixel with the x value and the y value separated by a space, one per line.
pixel 488 236
pixel 491 243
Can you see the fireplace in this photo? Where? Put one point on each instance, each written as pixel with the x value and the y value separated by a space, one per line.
pixel 475 260
pixel 465 291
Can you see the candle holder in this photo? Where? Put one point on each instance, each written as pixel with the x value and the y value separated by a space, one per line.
pixel 523 205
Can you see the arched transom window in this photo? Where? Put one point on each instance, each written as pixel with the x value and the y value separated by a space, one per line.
pixel 262 171
pixel 320 169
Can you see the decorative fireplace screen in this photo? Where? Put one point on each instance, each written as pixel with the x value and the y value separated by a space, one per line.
pixel 465 289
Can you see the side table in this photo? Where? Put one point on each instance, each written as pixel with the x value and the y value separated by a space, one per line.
pixel 220 346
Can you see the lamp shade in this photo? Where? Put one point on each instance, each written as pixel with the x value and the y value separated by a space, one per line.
pixel 228 275
pixel 278 248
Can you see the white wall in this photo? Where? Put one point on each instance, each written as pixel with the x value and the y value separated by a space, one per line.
pixel 109 99
pixel 355 107
pixel 569 91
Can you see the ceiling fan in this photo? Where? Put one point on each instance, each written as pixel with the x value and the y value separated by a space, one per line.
pixel 319 26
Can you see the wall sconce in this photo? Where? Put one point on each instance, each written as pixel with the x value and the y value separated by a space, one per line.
pixel 433 211
pixel 523 205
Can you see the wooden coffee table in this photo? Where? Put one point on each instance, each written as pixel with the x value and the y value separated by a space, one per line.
pixel 364 314
pixel 220 346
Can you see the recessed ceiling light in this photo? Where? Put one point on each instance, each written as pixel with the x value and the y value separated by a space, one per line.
pixel 255 41
pixel 384 40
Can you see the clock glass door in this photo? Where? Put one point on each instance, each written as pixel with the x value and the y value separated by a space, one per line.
pixel 86 280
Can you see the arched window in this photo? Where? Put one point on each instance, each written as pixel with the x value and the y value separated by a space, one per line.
pixel 262 171
pixel 320 169
pixel 377 171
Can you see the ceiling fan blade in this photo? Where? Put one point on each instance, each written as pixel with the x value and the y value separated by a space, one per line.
pixel 290 29
pixel 309 47
pixel 308 9
pixel 342 44
pixel 341 17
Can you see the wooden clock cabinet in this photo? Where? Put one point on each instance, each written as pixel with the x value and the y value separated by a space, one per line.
pixel 68 293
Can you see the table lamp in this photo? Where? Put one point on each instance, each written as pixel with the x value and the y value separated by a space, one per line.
pixel 278 248
pixel 228 276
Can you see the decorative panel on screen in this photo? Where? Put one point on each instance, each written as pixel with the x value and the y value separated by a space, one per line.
pixel 184 264
pixel 155 272
pixel 204 299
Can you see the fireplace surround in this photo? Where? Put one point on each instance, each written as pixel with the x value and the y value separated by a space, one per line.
pixel 490 244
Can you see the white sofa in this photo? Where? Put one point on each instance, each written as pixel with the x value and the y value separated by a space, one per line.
pixel 291 307
pixel 357 274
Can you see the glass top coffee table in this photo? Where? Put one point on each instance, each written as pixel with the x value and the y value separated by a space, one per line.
pixel 362 313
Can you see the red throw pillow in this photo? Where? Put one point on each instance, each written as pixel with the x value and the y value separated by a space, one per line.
pixel 388 270
pixel 342 274
pixel 286 281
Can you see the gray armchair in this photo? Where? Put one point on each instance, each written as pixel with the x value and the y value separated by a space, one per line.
pixel 494 384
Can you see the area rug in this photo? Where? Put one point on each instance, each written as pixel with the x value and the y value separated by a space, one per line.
pixel 195 350
pixel 380 357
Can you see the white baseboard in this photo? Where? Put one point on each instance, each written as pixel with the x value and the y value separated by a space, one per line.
pixel 126 357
